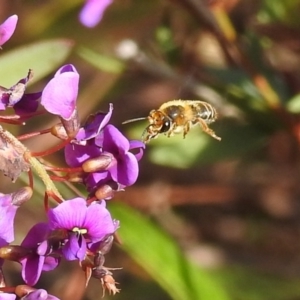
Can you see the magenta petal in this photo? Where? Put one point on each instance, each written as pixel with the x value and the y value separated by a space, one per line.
pixel 94 127
pixel 7 215
pixel 50 263
pixel 7 296
pixel 75 155
pixel 7 29
pixel 126 171
pixel 92 12
pixel 60 94
pixel 32 269
pixel 66 68
pixel 99 222
pixel 95 179
pixel 39 294
pixel 36 235
pixel 75 248
pixel 68 214
pixel 114 141
pixel 140 146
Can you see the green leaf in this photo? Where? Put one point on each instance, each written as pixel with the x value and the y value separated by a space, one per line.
pixel 102 62
pixel 42 57
pixel 200 148
pixel 293 105
pixel 161 257
pixel 250 284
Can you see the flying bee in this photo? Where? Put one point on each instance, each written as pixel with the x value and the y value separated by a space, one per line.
pixel 178 116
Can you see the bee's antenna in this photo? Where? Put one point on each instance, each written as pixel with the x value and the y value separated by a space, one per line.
pixel 133 120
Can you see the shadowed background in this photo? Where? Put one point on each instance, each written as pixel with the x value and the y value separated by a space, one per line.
pixel 206 219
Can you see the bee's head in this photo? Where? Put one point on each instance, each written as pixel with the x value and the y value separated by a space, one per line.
pixel 159 123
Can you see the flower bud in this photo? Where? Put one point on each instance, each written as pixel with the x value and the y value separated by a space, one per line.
pixel 21 196
pixel 104 192
pixel 23 290
pixel 59 131
pixel 14 253
pixel 76 177
pixel 97 164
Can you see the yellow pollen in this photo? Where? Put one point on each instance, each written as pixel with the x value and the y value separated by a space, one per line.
pixel 79 230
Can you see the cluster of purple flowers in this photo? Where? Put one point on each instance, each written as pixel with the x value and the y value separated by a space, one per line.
pixel 98 156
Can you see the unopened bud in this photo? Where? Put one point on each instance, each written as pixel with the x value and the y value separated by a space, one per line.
pixel 75 177
pixel 21 196
pixel 23 290
pixel 14 253
pixel 59 131
pixel 99 163
pixel 104 192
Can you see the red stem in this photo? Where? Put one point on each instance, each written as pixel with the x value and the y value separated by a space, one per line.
pixel 58 178
pixel 30 176
pixel 51 150
pixel 60 169
pixel 33 134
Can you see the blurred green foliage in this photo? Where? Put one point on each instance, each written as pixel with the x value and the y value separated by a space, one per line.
pixel 252 80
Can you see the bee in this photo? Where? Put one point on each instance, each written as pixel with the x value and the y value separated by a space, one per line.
pixel 178 116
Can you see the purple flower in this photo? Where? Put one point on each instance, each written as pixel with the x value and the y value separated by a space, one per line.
pixel 7 215
pixel 92 12
pixel 83 224
pixel 6 296
pixel 37 261
pixel 60 94
pixel 124 167
pixel 93 126
pixel 118 166
pixel 39 295
pixel 15 97
pixel 7 29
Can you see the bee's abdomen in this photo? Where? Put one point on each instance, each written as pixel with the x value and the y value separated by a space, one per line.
pixel 206 112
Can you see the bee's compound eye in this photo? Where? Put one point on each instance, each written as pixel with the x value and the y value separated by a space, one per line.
pixel 166 125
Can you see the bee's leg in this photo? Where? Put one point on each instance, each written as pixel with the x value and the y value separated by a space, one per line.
pixel 186 129
pixel 206 129
pixel 171 130
pixel 148 134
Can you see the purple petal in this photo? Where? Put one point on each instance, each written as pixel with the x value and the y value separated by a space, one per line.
pixel 93 180
pixel 39 295
pixel 98 222
pixel 68 214
pixel 7 216
pixel 126 171
pixel 75 155
pixel 64 69
pixel 114 141
pixel 36 235
pixel 32 269
pixel 50 263
pixel 6 296
pixel 93 127
pixel 75 249
pixel 4 97
pixel 92 12
pixel 135 144
pixel 28 104
pixel 7 29
pixel 60 94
